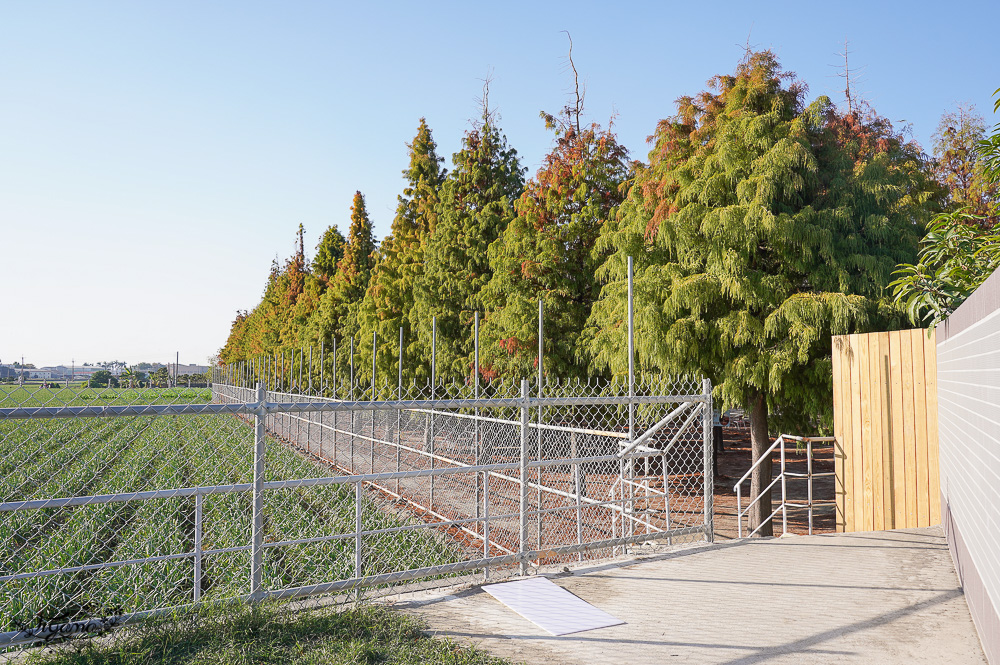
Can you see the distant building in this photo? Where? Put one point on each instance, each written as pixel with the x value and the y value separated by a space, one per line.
pixel 187 369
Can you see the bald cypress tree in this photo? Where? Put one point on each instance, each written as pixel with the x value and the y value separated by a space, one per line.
pixel 760 227
pixel 329 251
pixel 336 315
pixel 477 203
pixel 389 300
pixel 547 251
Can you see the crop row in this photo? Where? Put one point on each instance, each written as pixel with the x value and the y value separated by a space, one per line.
pixel 86 456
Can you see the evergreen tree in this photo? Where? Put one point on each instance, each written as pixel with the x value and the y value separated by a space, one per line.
pixel 477 200
pixel 336 315
pixel 328 252
pixel 959 167
pixel 294 309
pixel 389 300
pixel 759 228
pixel 546 252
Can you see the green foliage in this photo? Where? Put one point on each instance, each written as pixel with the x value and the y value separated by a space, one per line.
pixel 760 227
pixel 102 378
pixel 389 300
pixel 275 321
pixel 328 252
pixel 546 252
pixel 962 247
pixel 956 256
pixel 959 165
pixel 335 316
pixel 989 148
pixel 477 203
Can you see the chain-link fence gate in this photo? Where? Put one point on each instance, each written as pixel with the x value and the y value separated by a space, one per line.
pixel 121 504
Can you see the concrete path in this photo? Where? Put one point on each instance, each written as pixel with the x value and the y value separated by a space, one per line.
pixel 882 597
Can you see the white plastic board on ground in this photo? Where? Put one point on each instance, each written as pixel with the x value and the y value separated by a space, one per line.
pixel 550 607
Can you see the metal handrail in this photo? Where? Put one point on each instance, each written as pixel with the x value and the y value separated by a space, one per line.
pixel 782 476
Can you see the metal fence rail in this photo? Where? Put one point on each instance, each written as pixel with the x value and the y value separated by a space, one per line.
pixel 117 504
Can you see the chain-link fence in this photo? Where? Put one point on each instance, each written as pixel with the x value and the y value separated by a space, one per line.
pixel 118 504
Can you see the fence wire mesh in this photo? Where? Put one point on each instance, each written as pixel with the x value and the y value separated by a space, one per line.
pixel 120 501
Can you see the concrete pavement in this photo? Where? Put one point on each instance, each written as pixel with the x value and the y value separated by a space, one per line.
pixel 879 597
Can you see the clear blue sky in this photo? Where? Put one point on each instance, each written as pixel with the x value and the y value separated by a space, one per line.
pixel 155 157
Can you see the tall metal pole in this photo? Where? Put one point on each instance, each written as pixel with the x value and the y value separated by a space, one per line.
pixel 477 451
pixel 631 357
pixel 351 393
pixel 706 418
pixel 399 396
pixel 371 443
pixel 523 517
pixel 541 384
pixel 310 369
pixel 257 535
pixel 430 440
pixel 322 392
pixel 631 400
pixel 333 370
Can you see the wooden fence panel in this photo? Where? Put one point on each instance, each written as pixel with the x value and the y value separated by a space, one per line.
pixel 885 422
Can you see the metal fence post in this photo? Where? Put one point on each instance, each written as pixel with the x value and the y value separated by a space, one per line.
pixel 358 554
pixel 198 516
pixel 706 418
pixel 523 531
pixel 257 535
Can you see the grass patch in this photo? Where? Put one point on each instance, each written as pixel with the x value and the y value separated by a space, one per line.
pixel 269 634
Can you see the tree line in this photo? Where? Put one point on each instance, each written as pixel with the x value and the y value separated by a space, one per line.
pixel 760 224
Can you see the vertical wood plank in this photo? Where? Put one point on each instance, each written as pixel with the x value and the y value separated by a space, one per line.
pixel 857 426
pixel 920 423
pixel 933 468
pixel 909 431
pixel 885 443
pixel 875 404
pixel 846 363
pixel 867 479
pixel 896 407
pixel 838 431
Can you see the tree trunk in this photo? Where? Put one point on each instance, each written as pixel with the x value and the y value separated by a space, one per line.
pixel 761 476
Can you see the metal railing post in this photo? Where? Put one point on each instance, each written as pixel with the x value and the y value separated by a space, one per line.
pixel 809 480
pixel 706 419
pixel 257 535
pixel 523 530
pixel 784 495
pixel 579 499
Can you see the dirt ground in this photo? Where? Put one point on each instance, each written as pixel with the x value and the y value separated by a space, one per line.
pixel 735 461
